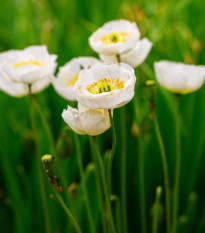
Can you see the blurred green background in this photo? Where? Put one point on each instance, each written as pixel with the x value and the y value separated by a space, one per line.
pixel 176 28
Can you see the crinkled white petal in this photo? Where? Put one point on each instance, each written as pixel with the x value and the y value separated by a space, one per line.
pixel 87 121
pixel 106 100
pixel 72 118
pixel 179 77
pixel 68 72
pixel 119 47
pixel 28 73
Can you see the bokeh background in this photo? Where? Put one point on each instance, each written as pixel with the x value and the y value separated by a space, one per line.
pixel 176 28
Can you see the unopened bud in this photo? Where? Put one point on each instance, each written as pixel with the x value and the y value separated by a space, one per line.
pixel 49 165
pixel 150 83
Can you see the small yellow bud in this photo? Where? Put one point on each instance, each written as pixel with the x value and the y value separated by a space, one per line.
pixel 150 83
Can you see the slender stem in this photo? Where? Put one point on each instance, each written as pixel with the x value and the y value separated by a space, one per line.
pixel 156 211
pixel 123 170
pixel 107 199
pixel 40 169
pixel 99 189
pixel 141 171
pixel 112 153
pixel 67 211
pixel 62 177
pixel 82 176
pixel 116 199
pixel 165 170
pixel 142 186
pixel 178 164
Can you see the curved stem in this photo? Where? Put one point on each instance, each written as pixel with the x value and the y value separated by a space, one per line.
pixel 40 169
pixel 52 146
pixel 112 153
pixel 82 176
pixel 165 170
pixel 67 211
pixel 107 199
pixel 123 170
pixel 178 163
pixel 98 183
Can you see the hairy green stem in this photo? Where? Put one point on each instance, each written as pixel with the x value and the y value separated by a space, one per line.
pixel 85 191
pixel 103 176
pixel 67 211
pixel 40 169
pixel 112 153
pixel 177 169
pixel 165 170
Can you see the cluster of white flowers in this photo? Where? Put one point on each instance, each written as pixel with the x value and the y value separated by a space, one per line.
pixel 97 85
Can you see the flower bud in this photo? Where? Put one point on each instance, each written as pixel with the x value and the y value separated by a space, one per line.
pixel 49 165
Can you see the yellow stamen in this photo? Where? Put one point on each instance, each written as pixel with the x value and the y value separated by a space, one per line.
pixel 105 85
pixel 115 37
pixel 31 62
pixel 72 81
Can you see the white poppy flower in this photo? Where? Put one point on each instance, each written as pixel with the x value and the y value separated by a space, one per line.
pixel 87 121
pixel 178 77
pixel 105 86
pixel 68 75
pixel 133 57
pixel 115 37
pixel 32 66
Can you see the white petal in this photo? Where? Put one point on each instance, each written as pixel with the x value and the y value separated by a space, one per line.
pixel 40 85
pixel 12 88
pixel 95 121
pixel 179 77
pixel 108 59
pixel 138 54
pixel 71 117
pixel 68 72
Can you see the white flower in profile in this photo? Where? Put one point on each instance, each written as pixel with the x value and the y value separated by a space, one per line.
pixel 133 57
pixel 105 86
pixel 87 121
pixel 68 75
pixel 179 77
pixel 19 69
pixel 115 37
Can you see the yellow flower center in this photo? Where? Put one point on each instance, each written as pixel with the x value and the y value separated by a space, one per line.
pixel 73 80
pixel 46 158
pixel 105 85
pixel 31 62
pixel 115 37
